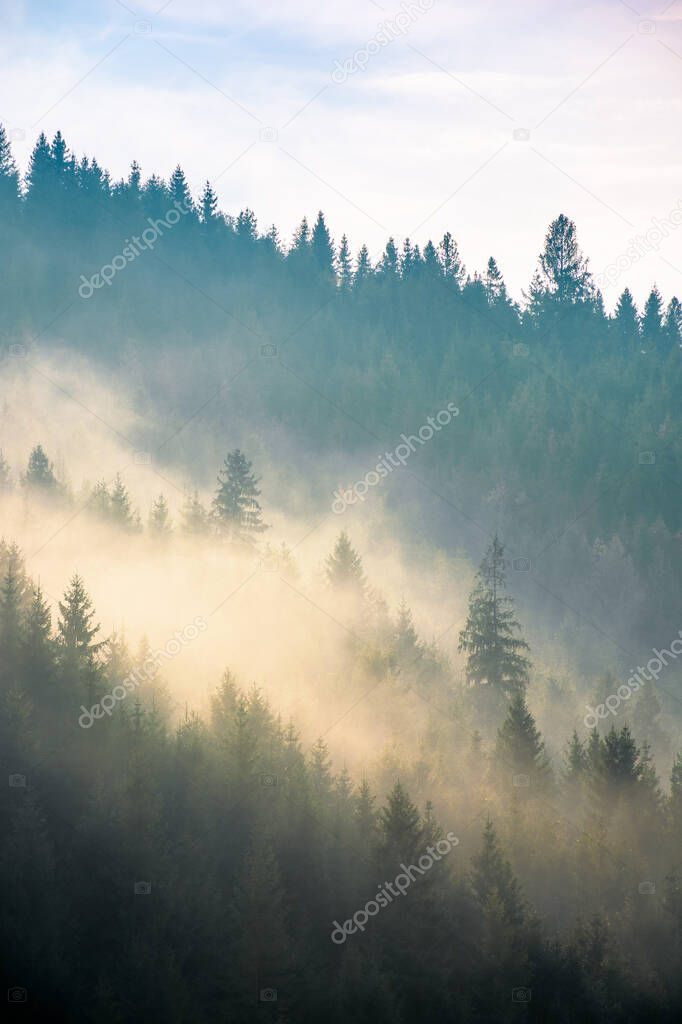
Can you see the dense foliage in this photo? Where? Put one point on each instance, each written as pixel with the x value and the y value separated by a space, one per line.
pixel 190 869
pixel 196 871
pixel 567 441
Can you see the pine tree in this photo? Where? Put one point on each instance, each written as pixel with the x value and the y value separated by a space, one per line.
pixel 626 318
pixel 344 265
pixel 38 649
pixel 208 205
pixel 322 248
pixel 562 265
pixel 343 567
pixel 407 648
pixel 100 501
pixel 159 519
pixel 576 762
pixel 195 519
pixel 155 197
pixel 494 652
pixel 134 183
pixel 39 476
pixel 453 268
pixel 400 827
pixel 652 319
pixel 236 510
pixel 493 881
pixel 119 505
pixel 320 772
pixel 389 264
pixel 363 267
pixel 12 596
pixel 78 650
pixel 672 327
pixel 179 189
pixel 519 750
pixel 495 289
pixel 9 179
pixel 39 178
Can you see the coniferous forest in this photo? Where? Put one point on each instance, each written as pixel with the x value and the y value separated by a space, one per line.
pixel 340 603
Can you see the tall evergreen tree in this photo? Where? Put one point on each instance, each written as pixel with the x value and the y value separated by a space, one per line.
pixel 363 266
pixel 195 519
pixel 78 650
pixel 519 750
pixel 490 637
pixel 236 509
pixel 343 567
pixel 493 881
pixel 344 265
pixel 652 319
pixel 626 318
pixel 322 248
pixel 159 519
pixel 563 267
pixel 39 476
pixel 9 180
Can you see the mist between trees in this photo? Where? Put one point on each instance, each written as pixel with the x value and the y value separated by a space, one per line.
pixel 352 691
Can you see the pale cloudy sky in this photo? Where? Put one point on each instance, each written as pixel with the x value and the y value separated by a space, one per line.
pixel 428 137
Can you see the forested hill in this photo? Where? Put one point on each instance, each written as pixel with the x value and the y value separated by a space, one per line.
pixel 568 433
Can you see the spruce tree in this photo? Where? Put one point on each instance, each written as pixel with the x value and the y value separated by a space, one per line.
pixel 494 650
pixel 100 502
pixel 38 649
pixel 208 205
pixel 495 289
pixel 672 327
pixel 9 180
pixel 652 318
pixel 179 190
pixel 407 648
pixel 400 827
pixel 236 509
pixel 493 881
pixel 626 319
pixel 322 248
pixel 39 476
pixel 195 519
pixel 78 651
pixel 119 505
pixel 344 265
pixel 343 568
pixel 12 596
pixel 159 519
pixel 363 267
pixel 520 751
pixel 389 264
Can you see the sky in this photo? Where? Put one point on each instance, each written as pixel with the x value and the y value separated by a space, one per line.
pixel 407 118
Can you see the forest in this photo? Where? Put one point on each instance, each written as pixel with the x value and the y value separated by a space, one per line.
pixel 279 746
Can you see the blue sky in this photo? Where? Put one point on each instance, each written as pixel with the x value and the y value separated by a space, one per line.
pixel 428 137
